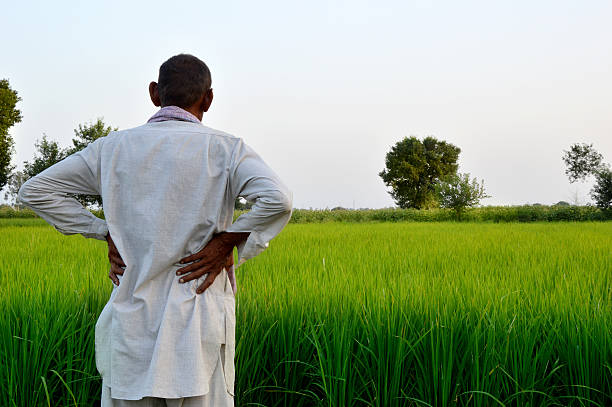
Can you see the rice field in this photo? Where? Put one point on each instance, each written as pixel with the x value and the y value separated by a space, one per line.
pixel 345 314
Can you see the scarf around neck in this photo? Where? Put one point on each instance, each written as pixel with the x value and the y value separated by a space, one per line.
pixel 173 113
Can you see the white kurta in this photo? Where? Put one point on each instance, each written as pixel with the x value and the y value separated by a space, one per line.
pixel 166 187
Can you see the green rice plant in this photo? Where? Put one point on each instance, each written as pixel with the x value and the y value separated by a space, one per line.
pixel 348 314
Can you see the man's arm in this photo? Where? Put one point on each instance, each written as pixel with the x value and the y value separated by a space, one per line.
pixel 48 193
pixel 251 178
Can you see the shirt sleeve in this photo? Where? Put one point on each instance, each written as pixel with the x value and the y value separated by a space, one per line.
pixel 47 193
pixel 251 178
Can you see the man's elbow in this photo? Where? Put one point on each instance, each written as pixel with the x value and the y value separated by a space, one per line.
pixel 287 201
pixel 31 193
pixel 25 194
pixel 280 201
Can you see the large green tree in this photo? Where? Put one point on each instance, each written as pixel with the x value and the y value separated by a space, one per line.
pixel 48 152
pixel 9 116
pixel 414 167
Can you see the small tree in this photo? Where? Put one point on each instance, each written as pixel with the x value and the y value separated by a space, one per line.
pixel 88 133
pixel 48 152
pixel 85 134
pixel 457 192
pixel 583 160
pixel 602 191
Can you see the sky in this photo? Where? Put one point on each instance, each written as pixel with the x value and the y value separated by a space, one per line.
pixel 323 89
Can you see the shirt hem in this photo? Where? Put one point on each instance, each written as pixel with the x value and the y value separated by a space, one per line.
pixel 127 396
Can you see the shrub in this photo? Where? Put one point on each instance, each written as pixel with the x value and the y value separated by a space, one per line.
pixel 494 214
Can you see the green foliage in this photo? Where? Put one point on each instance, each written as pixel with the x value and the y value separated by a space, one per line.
pixel 581 161
pixel 457 192
pixel 490 214
pixel 9 116
pixel 495 214
pixel 85 134
pixel 10 212
pixel 88 133
pixel 48 152
pixel 348 315
pixel 413 168
pixel 602 191
pixel 242 204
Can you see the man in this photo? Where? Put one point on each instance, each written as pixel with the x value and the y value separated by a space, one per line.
pixel 166 335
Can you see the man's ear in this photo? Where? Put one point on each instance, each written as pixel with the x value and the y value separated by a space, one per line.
pixel 154 93
pixel 207 100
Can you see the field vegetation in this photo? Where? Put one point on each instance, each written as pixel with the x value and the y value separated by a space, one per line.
pixel 345 314
pixel 524 213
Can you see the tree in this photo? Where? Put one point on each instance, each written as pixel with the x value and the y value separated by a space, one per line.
pixel 9 116
pixel 457 192
pixel 89 133
pixel 581 161
pixel 49 153
pixel 15 181
pixel 413 168
pixel 86 134
pixel 602 191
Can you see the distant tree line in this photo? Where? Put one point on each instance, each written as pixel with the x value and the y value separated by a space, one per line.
pixel 421 174
pixel 493 214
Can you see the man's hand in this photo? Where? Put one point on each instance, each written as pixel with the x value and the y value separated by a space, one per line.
pixel 216 255
pixel 115 259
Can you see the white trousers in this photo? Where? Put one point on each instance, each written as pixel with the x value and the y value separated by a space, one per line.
pixel 217 395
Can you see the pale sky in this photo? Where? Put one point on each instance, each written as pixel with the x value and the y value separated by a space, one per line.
pixel 323 89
